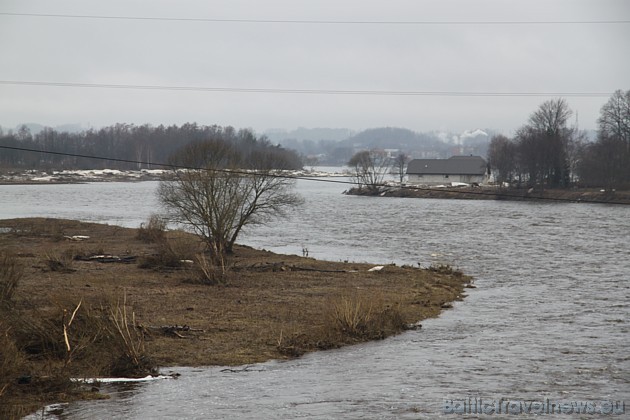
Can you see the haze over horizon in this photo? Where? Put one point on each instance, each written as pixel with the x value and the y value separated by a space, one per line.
pixel 450 65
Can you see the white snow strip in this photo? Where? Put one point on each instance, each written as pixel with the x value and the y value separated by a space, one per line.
pixel 116 380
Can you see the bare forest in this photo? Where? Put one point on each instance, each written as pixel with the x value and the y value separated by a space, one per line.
pixel 124 146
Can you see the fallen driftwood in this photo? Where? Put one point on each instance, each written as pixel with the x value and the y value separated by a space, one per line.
pixel 296 268
pixel 77 237
pixel 107 258
pixel 281 266
pixel 245 369
pixel 173 330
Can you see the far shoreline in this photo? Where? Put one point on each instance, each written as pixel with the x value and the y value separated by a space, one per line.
pixel 84 176
pixel 584 195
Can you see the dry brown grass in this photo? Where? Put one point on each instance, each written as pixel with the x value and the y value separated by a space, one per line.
pixel 11 272
pixel 203 271
pixel 60 261
pixel 12 360
pixel 365 316
pixel 172 251
pixel 127 339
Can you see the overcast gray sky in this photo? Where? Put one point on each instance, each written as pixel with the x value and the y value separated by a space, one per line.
pixel 336 57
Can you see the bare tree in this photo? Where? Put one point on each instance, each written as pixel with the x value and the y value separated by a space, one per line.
pixel 502 158
pixel 606 163
pixel 543 142
pixel 400 166
pixel 551 117
pixel 232 191
pixel 614 120
pixel 369 168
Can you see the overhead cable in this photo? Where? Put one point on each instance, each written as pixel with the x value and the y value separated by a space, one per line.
pixel 321 22
pixel 303 91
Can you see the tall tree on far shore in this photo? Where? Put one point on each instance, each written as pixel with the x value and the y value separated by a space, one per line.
pixel 502 158
pixel 400 166
pixel 369 168
pixel 543 143
pixel 614 120
pixel 606 163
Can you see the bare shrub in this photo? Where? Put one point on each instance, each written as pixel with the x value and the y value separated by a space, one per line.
pixel 172 252
pixel 61 262
pixel 352 315
pixel 106 336
pixel 205 272
pixel 445 269
pixel 153 231
pixel 11 272
pixel 365 317
pixel 218 202
pixel 127 338
pixel 66 322
pixel 166 256
pixel 58 334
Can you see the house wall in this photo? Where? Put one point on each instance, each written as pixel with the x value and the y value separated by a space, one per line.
pixel 443 179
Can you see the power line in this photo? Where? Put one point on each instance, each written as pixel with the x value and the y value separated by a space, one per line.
pixel 167 165
pixel 305 91
pixel 305 178
pixel 324 22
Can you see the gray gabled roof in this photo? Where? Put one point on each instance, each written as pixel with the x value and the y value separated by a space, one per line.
pixel 455 165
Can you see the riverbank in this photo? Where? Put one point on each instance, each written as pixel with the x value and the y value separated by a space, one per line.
pixel 113 175
pixel 494 193
pixel 97 300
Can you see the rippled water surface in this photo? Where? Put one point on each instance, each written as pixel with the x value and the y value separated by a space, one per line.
pixel 549 318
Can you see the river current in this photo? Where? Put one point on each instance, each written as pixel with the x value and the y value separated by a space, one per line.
pixel 548 321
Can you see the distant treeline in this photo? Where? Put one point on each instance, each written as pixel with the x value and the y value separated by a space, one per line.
pixel 547 153
pixel 129 142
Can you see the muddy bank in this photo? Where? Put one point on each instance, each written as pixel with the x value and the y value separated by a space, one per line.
pixel 82 284
pixel 112 175
pixel 512 194
pixel 78 176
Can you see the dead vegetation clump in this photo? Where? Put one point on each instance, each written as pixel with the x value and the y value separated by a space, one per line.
pixel 445 269
pixel 153 231
pixel 41 350
pixel 203 271
pixel 364 316
pixel 352 317
pixel 11 272
pixel 178 251
pixel 60 261
pixel 173 251
pixel 128 339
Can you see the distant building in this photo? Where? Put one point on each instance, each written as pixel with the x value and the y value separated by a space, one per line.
pixel 467 169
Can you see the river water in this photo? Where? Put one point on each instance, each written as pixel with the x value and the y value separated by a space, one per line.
pixel 549 318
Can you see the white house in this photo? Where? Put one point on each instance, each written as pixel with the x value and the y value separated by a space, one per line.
pixel 468 169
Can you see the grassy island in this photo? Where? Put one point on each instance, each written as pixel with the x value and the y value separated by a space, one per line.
pixel 82 300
